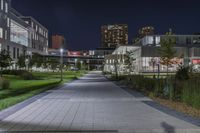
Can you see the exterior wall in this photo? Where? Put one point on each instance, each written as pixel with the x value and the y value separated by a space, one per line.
pixel 4 24
pixel 39 36
pixel 58 42
pixel 181 40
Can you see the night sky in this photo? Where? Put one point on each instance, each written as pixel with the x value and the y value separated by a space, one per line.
pixel 80 20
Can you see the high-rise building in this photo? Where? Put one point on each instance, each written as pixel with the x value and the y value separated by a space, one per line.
pixel 114 35
pixel 144 31
pixel 58 42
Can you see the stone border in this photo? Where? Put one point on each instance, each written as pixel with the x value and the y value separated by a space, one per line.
pixel 164 109
pixel 11 110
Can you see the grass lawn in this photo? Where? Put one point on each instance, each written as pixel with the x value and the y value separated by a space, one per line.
pixel 21 90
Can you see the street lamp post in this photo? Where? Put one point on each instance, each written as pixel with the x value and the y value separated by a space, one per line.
pixel 81 65
pixel 76 60
pixel 61 64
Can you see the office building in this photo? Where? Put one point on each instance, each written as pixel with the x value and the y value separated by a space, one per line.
pixel 58 42
pixel 113 36
pixel 21 35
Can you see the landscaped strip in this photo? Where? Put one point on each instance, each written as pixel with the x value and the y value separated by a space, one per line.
pixel 181 95
pixel 21 89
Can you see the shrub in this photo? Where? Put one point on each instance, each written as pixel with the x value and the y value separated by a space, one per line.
pixel 27 76
pixel 191 92
pixel 4 84
pixel 14 72
pixel 22 73
pixel 182 73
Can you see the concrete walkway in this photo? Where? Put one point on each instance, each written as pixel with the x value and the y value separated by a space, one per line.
pixel 95 105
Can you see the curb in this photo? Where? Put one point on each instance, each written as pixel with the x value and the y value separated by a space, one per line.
pixel 162 108
pixel 11 110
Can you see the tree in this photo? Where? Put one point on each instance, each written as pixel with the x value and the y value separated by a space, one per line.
pixel 36 60
pixel 116 63
pixel 53 64
pixel 45 63
pixel 167 51
pixel 129 61
pixel 5 60
pixel 78 65
pixel 21 61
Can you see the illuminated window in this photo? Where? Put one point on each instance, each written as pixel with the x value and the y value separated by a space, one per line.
pixel 0 46
pixel 1 32
pixel 36 28
pixel 157 40
pixel 8 22
pixel 6 37
pixel 6 7
pixel 18 33
pixel 1 4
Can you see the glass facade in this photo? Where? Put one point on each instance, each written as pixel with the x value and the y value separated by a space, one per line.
pixel 18 33
pixel 152 64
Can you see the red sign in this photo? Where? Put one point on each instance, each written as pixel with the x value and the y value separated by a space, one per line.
pixel 196 61
pixel 74 53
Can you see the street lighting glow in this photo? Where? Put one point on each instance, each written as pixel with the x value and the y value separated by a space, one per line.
pixel 61 50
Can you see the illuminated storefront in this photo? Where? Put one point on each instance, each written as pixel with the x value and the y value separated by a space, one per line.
pixel 146 60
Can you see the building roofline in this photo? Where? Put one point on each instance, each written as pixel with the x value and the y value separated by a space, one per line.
pixel 30 17
pixel 173 35
pixel 15 12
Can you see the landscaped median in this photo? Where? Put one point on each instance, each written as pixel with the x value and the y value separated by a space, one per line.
pixel 19 88
pixel 175 92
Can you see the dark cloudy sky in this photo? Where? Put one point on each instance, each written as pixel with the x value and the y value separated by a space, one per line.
pixel 80 20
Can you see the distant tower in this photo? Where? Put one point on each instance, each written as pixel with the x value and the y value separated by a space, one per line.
pixel 113 36
pixel 58 42
pixel 144 31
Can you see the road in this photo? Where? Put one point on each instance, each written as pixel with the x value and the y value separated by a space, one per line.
pixel 93 104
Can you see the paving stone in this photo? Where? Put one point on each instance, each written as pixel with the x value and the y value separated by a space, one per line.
pixel 93 104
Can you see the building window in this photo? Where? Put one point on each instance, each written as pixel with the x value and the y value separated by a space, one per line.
pixel 1 4
pixel 6 7
pixel 32 24
pixel 0 46
pixel 8 22
pixel 18 33
pixel 36 28
pixel 14 52
pixel 1 32
pixel 188 40
pixel 8 49
pixel 6 37
pixel 17 52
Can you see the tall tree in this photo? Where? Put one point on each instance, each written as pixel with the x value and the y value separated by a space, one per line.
pixel 21 61
pixel 129 61
pixel 36 60
pixel 167 51
pixel 5 60
pixel 53 64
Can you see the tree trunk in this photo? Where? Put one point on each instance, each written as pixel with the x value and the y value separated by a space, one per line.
pixel 116 71
pixel 1 72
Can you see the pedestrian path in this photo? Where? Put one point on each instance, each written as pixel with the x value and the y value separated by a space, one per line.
pixel 95 105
